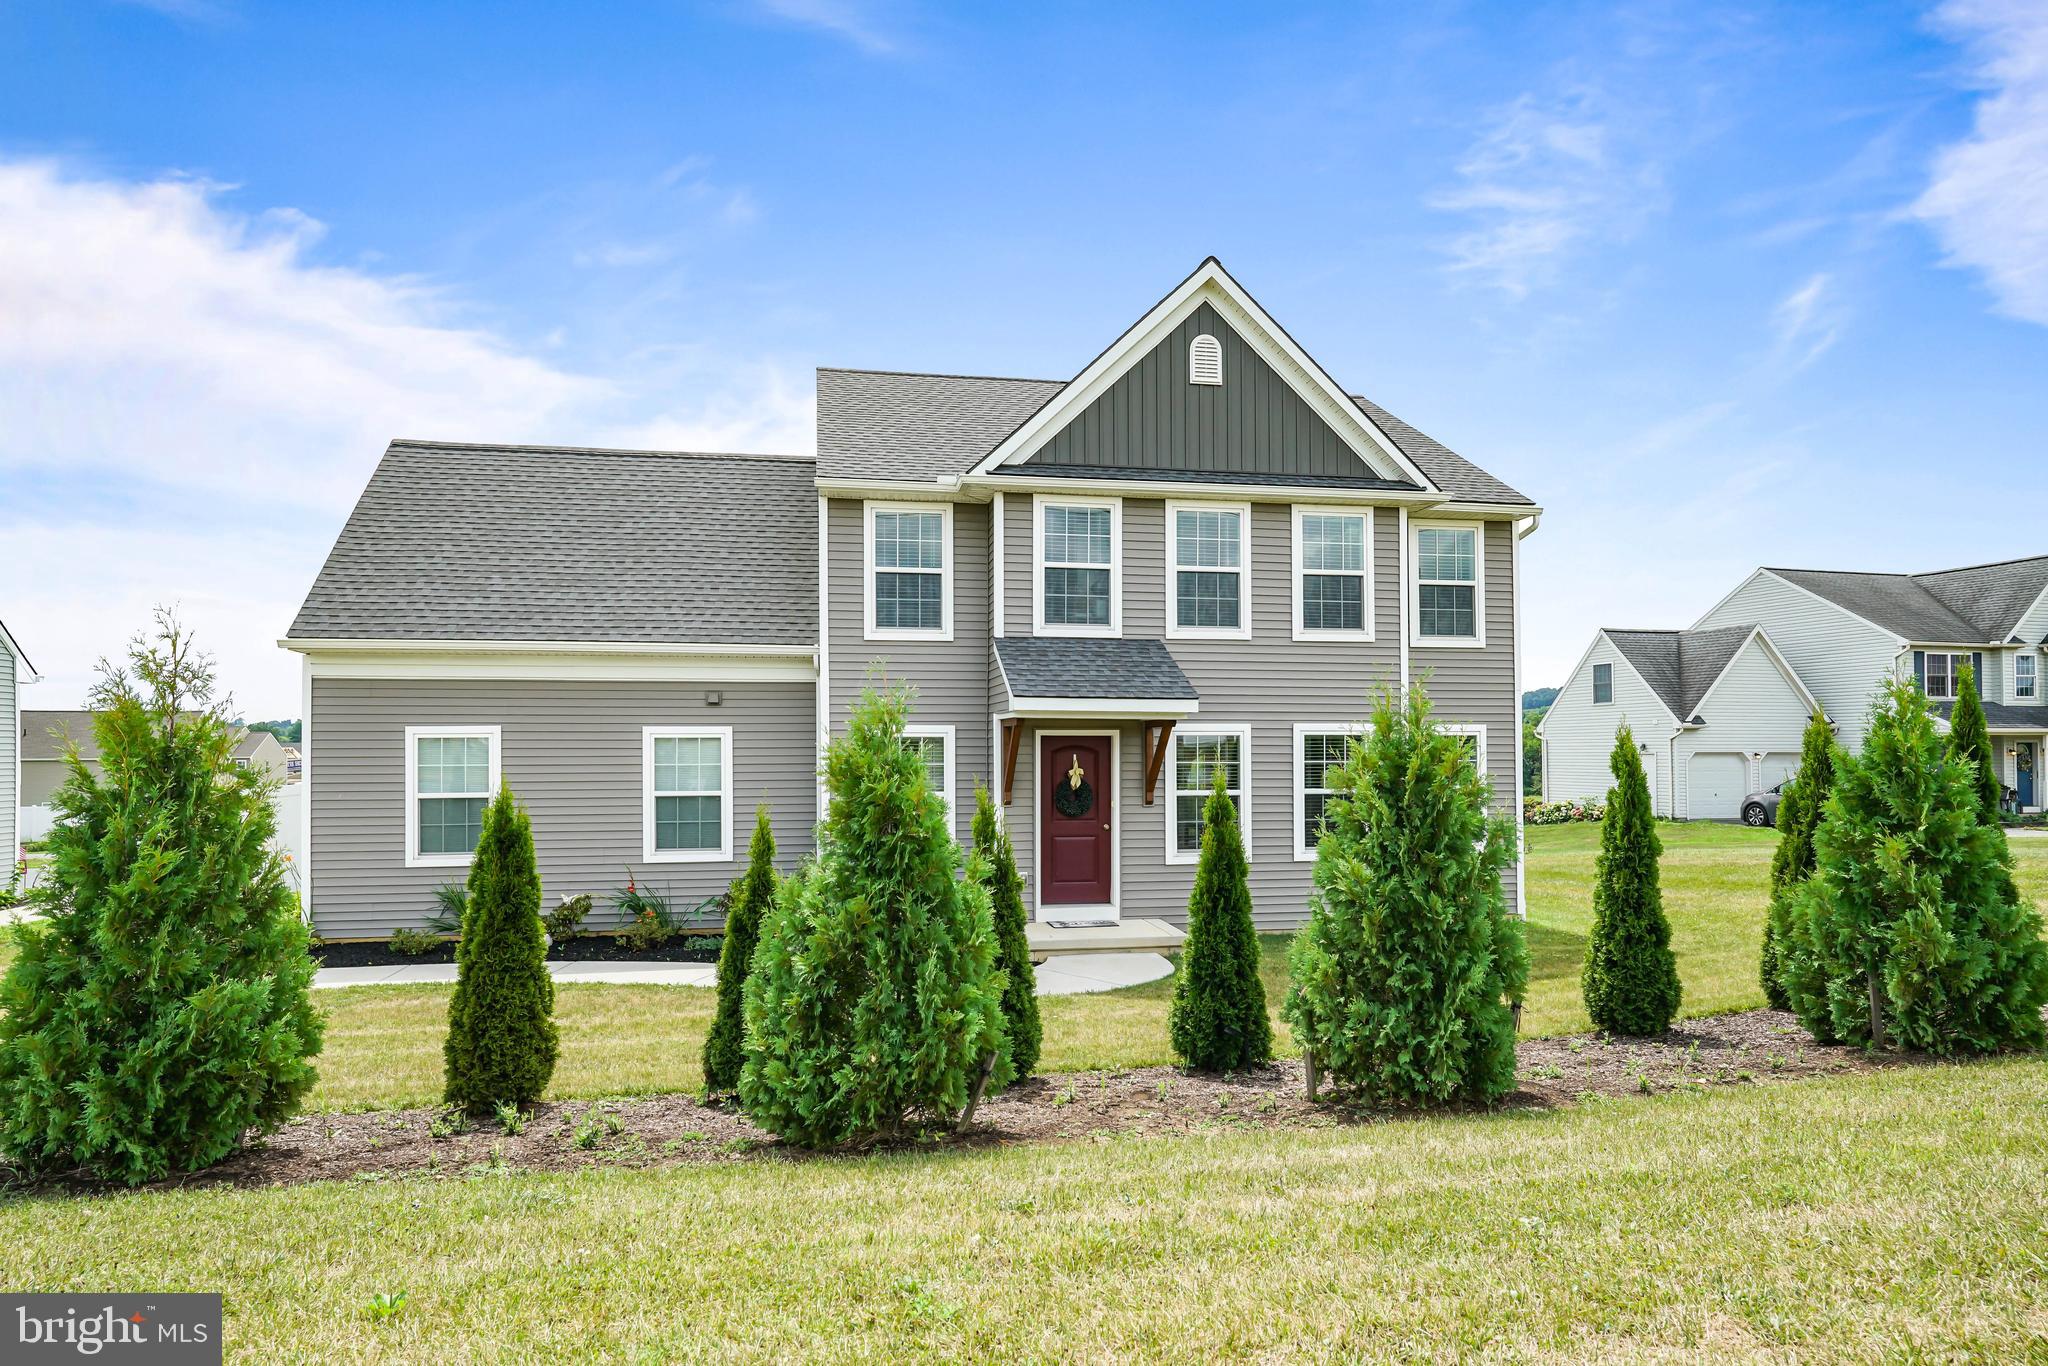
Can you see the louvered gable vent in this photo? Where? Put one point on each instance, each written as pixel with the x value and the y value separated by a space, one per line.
pixel 1205 360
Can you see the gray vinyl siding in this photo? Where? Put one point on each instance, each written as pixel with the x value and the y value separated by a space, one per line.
pixel 951 676
pixel 1753 709
pixel 40 779
pixel 10 749
pixel 1842 661
pixel 572 751
pixel 1253 423
pixel 1578 733
pixel 1269 683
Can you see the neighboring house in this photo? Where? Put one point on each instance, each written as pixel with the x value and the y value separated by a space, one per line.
pixel 45 735
pixel 264 752
pixel 16 673
pixel 1839 635
pixel 292 764
pixel 1198 554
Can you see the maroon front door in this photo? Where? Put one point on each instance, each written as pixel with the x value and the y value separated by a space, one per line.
pixel 1077 780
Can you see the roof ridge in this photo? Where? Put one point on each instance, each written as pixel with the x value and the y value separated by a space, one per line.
pixel 937 374
pixel 1988 564
pixel 1865 573
pixel 513 448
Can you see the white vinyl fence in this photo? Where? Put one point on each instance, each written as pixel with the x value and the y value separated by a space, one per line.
pixel 289 800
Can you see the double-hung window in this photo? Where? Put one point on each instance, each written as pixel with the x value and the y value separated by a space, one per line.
pixel 1208 545
pixel 450 774
pixel 1474 740
pixel 909 571
pixel 933 745
pixel 1449 593
pixel 1318 752
pixel 1603 683
pixel 1942 674
pixel 1332 573
pixel 1077 590
pixel 2023 672
pixel 686 772
pixel 1199 754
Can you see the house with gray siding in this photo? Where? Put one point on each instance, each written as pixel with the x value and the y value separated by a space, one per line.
pixel 16 673
pixel 1836 635
pixel 1199 554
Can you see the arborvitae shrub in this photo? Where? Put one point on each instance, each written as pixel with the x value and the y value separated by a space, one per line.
pixel 751 894
pixel 1406 974
pixel 1219 1021
pixel 1969 737
pixel 874 1002
pixel 1909 914
pixel 501 1031
pixel 1799 809
pixel 159 1009
pixel 1630 979
pixel 1006 904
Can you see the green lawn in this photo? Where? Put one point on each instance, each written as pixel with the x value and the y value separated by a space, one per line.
pixel 1894 1215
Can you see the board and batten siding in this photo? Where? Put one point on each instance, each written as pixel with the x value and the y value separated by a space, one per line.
pixel 1842 660
pixel 573 754
pixel 951 676
pixel 1269 683
pixel 1753 709
pixel 1578 733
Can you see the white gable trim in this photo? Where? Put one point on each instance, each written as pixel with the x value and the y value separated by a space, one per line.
pixel 1829 603
pixel 1755 637
pixel 28 670
pixel 1211 284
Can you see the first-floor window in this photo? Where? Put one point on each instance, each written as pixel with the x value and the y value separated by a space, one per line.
pixel 450 774
pixel 688 793
pixel 933 745
pixel 2023 667
pixel 1318 755
pixel 1473 738
pixel 1198 756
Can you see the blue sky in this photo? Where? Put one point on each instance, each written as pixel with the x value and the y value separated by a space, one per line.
pixel 1718 286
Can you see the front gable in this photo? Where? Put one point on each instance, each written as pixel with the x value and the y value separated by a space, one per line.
pixel 1154 419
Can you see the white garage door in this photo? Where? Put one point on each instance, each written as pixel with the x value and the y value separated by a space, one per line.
pixel 1778 768
pixel 1716 786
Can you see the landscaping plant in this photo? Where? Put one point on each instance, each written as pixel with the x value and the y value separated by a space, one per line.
pixel 1969 738
pixel 875 1000
pixel 1630 980
pixel 158 1011
pixel 1219 1021
pixel 1013 950
pixel 1406 974
pixel 565 922
pixel 1799 808
pixel 745 903
pixel 1909 933
pixel 501 1043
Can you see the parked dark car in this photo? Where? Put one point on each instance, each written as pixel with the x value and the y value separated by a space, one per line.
pixel 1761 808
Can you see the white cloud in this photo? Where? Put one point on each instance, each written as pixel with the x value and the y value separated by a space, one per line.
pixel 851 20
pixel 190 402
pixel 1987 199
pixel 1807 322
pixel 1550 176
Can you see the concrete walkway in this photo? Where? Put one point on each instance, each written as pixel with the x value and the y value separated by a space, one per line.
pixel 1072 975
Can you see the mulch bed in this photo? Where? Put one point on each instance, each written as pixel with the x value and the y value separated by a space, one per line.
pixel 1752 1048
pixel 584 948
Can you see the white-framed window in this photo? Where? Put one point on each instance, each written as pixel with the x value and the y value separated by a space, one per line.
pixel 1317 750
pixel 1603 683
pixel 686 793
pixel 1474 737
pixel 1447 583
pixel 1198 752
pixel 1208 592
pixel 909 571
pixel 1205 360
pixel 934 745
pixel 2024 669
pixel 1077 583
pixel 1332 573
pixel 451 774
pixel 1943 673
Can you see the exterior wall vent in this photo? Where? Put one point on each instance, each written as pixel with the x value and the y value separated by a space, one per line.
pixel 1205 360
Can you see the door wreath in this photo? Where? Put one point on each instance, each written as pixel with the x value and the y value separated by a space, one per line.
pixel 1075 797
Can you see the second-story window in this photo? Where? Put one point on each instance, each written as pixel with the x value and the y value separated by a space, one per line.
pixel 1206 543
pixel 909 571
pixel 1078 564
pixel 1603 682
pixel 2023 667
pixel 1332 578
pixel 1449 601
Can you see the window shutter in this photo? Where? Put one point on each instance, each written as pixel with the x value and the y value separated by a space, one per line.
pixel 1977 670
pixel 1920 669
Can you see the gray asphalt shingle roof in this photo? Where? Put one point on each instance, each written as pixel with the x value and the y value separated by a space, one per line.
pixel 519 543
pixel 1054 666
pixel 2002 716
pixel 1680 666
pixel 1949 606
pixel 887 425
pixel 43 734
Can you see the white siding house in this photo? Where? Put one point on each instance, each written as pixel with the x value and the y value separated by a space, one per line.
pixel 15 673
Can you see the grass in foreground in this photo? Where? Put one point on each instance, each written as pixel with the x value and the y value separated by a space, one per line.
pixel 384 1043
pixel 1893 1214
